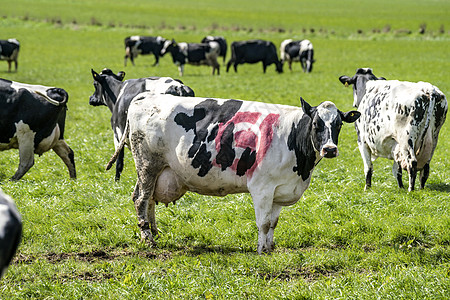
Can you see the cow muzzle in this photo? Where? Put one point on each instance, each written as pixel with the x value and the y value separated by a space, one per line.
pixel 329 151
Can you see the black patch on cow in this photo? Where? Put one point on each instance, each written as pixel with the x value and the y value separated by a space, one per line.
pixel 299 141
pixel 168 80
pixel 247 160
pixel 205 114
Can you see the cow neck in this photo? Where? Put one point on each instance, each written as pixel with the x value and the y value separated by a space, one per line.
pixel 300 142
pixel 110 92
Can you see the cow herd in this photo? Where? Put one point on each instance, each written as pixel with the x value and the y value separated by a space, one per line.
pixel 214 146
pixel 211 48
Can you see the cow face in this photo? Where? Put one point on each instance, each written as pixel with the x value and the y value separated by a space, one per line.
pixel 168 46
pixel 359 81
pixel 101 85
pixel 326 125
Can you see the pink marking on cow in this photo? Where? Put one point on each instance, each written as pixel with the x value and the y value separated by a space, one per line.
pixel 247 135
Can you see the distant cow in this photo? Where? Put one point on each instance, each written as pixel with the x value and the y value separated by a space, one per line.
pixel 10 231
pixel 225 146
pixel 32 119
pixel 399 120
pixel 117 95
pixel 194 54
pixel 135 45
pixel 222 43
pixel 301 51
pixel 9 51
pixel 252 52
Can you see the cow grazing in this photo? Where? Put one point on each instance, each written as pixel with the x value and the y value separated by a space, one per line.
pixel 135 45
pixel 194 54
pixel 222 43
pixel 10 231
pixel 301 51
pixel 9 51
pixel 219 147
pixel 116 94
pixel 32 119
pixel 399 120
pixel 252 52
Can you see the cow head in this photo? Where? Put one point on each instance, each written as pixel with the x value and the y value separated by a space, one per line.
pixel 359 81
pixel 168 46
pixel 102 84
pixel 326 122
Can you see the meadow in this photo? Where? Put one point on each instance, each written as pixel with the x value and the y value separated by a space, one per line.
pixel 81 239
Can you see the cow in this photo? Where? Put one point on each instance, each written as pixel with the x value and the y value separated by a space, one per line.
pixel 32 119
pixel 222 43
pixel 116 94
pixel 225 146
pixel 135 45
pixel 194 54
pixel 9 51
pixel 301 51
pixel 10 231
pixel 254 51
pixel 399 121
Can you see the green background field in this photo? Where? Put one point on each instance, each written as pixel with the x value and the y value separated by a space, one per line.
pixel 81 240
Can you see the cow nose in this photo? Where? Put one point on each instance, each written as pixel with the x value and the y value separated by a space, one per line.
pixel 329 151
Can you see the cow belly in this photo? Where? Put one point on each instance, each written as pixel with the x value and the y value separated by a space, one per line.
pixel 49 142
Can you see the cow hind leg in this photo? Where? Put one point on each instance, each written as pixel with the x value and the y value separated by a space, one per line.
pixel 66 154
pixel 397 172
pixel 368 166
pixel 424 175
pixel 412 171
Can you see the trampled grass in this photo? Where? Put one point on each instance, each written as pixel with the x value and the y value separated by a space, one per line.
pixel 80 237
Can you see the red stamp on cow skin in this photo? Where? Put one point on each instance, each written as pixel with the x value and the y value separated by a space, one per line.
pixel 252 130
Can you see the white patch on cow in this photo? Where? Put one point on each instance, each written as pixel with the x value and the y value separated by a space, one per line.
pixel 31 87
pixel 305 45
pixel 4 219
pixel 49 142
pixel 328 112
pixel 159 39
pixel 283 54
pixel 122 90
pixel 183 48
pixel 135 38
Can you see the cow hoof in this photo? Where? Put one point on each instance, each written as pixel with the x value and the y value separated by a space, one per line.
pixel 147 237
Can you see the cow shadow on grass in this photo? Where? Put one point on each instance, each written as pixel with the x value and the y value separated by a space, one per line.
pixel 440 187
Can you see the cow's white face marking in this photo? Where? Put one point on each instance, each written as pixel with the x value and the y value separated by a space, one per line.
pixel 328 112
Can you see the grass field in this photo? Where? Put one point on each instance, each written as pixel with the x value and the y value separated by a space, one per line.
pixel 81 239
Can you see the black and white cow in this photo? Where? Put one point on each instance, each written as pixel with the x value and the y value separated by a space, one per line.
pixel 9 51
pixel 225 146
pixel 193 54
pixel 301 51
pixel 135 45
pixel 32 119
pixel 116 94
pixel 10 231
pixel 222 43
pixel 254 51
pixel 399 120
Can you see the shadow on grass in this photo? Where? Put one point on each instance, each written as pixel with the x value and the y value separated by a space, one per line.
pixel 441 187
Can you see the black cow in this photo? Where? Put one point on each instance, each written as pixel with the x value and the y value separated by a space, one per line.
pixel 302 51
pixel 32 119
pixel 9 51
pixel 222 43
pixel 112 91
pixel 252 52
pixel 10 231
pixel 194 54
pixel 135 45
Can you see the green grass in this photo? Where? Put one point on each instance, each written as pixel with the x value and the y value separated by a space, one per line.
pixel 81 240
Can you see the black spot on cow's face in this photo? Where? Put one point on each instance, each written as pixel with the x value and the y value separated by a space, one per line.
pixel 204 121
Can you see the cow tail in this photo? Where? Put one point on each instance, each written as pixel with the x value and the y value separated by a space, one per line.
pixel 52 101
pixel 120 147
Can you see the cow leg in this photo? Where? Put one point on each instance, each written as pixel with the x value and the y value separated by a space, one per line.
pixel 412 171
pixel 9 66
pixel 156 59
pixel 63 150
pixel 397 172
pixel 424 175
pixel 16 64
pixel 276 209
pixel 181 69
pixel 263 205
pixel 119 164
pixel 264 68
pixel 290 64
pixel 368 166
pixel 25 139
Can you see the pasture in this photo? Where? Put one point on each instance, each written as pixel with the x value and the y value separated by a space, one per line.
pixel 81 239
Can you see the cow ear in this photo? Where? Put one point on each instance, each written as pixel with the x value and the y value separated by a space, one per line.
pixel 381 78
pixel 95 74
pixel 121 75
pixel 351 116
pixel 346 80
pixel 307 109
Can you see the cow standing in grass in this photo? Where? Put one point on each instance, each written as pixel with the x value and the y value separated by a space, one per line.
pixel 10 231
pixel 9 51
pixel 32 119
pixel 143 45
pixel 225 146
pixel 254 51
pixel 116 94
pixel 301 51
pixel 222 43
pixel 194 54
pixel 400 121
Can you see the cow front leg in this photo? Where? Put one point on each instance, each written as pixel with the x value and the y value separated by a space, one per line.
pixel 263 214
pixel 181 69
pixel 412 171
pixel 397 172
pixel 66 154
pixel 424 175
pixel 368 166
pixel 276 209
